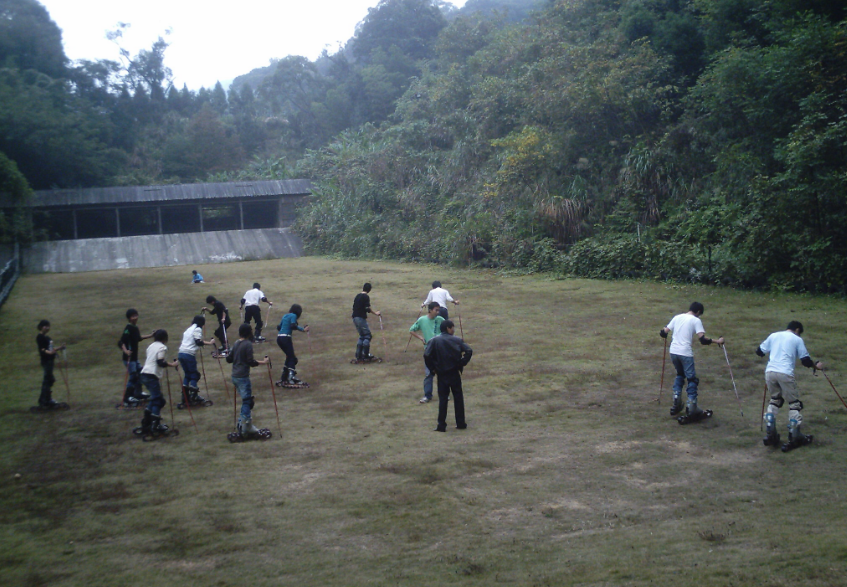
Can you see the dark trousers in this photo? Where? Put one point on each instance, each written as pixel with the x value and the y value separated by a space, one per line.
pixel 442 311
pixel 220 332
pixel 287 346
pixel 253 313
pixel 47 384
pixel 450 381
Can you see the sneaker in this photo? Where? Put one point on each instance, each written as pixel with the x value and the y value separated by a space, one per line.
pixel 425 400
pixel 131 402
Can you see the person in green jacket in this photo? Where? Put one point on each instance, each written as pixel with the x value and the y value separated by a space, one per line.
pixel 424 329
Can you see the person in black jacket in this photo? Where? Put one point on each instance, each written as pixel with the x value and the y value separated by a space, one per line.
pixel 47 352
pixel 447 355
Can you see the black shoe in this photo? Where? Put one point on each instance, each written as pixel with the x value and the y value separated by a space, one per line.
pixel 771 439
pixel 440 429
pixel 462 426
pixel 793 443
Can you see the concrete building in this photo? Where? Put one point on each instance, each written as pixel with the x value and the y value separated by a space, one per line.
pixel 154 226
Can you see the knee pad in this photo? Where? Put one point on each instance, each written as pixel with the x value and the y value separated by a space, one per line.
pixel 777 402
pixel 367 338
pixel 158 402
pixel 694 380
pixel 796 405
pixel 249 402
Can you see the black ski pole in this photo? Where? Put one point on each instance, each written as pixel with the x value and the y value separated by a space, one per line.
pixel 740 408
pixel 662 381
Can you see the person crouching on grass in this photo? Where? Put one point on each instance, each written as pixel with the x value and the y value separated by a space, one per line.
pixel 447 355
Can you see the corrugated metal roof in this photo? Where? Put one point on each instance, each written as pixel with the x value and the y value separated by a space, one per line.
pixel 168 193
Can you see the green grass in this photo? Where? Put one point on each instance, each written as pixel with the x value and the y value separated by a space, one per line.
pixel 569 473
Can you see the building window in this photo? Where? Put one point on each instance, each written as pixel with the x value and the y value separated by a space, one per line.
pixel 221 217
pixel 177 219
pixel 138 221
pixel 100 223
pixel 261 214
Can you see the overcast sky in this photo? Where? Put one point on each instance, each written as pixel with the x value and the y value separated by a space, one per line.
pixel 209 42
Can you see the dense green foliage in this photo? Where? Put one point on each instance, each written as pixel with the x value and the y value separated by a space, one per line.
pixel 14 223
pixel 686 140
pixel 681 139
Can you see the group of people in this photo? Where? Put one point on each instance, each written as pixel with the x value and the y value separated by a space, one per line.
pixel 445 355
pixel 784 348
pixel 239 354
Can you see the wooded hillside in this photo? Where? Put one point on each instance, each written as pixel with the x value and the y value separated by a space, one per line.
pixel 699 140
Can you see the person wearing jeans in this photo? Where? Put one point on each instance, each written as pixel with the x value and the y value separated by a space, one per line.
pixel 242 360
pixel 684 328
pixel 428 326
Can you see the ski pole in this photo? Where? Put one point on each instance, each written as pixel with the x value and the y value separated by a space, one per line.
pixel 833 388
pixel 185 399
pixel 268 315
pixel 226 387
pixel 203 370
pixel 384 343
pixel 170 398
pixel 410 334
pixel 309 338
pixel 65 374
pixel 273 393
pixel 764 397
pixel 462 330
pixel 662 381
pixel 740 408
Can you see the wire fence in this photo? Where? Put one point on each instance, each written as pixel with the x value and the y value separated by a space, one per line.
pixel 11 272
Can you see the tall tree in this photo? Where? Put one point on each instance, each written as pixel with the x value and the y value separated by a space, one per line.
pixel 29 39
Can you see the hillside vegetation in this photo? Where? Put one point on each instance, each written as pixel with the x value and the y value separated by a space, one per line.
pixel 699 140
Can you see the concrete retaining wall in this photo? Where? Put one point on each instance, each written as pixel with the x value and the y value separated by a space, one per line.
pixel 198 248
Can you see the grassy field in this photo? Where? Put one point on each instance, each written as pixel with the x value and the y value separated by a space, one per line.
pixel 569 472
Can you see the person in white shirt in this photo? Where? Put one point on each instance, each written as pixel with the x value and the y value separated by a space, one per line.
pixel 192 339
pixel 785 348
pixel 250 303
pixel 151 373
pixel 684 328
pixel 442 296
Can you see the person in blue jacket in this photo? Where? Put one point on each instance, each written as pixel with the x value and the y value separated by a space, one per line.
pixel 286 327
